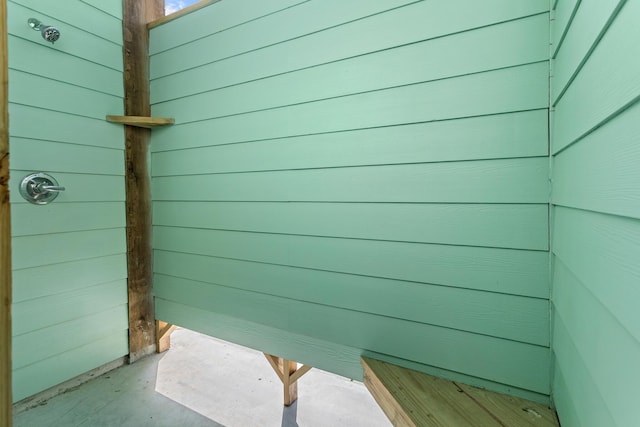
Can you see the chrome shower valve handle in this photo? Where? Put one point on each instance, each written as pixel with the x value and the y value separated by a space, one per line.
pixel 40 188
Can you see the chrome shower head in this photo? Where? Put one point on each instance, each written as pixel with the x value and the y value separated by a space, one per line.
pixel 49 33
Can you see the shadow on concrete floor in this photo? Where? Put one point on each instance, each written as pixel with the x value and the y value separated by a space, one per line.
pixel 205 382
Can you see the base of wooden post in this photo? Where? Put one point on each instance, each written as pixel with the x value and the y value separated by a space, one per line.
pixel 289 374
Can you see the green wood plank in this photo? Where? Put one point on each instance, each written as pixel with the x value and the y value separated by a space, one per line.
pixel 112 7
pixel 600 173
pixel 293 20
pixel 500 91
pixel 578 400
pixel 48 342
pixel 496 270
pixel 562 17
pixel 47 373
pixel 211 19
pixel 68 69
pixel 521 134
pixel 590 22
pixel 329 356
pixel 45 280
pixel 79 14
pixel 566 408
pixel 521 41
pixel 62 127
pixel 509 226
pixel 69 158
pixel 608 82
pixel 43 312
pixel 490 181
pixel 498 315
pixel 603 252
pixel 414 22
pixel 500 360
pixel 609 353
pixel 73 41
pixel 79 187
pixel 29 220
pixel 29 89
pixel 65 247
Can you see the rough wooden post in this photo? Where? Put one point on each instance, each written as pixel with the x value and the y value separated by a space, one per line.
pixel 136 15
pixel 5 230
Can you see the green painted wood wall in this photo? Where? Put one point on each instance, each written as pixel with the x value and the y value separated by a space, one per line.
pixel 359 177
pixel 595 90
pixel 69 261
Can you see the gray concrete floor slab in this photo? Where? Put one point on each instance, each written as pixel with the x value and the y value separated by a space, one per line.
pixel 202 381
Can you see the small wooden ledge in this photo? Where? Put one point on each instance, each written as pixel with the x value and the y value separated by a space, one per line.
pixel 411 398
pixel 141 121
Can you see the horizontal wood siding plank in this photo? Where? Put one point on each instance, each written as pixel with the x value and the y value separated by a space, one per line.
pixel 70 277
pixel 503 316
pixel 45 280
pixel 508 226
pixel 113 8
pixel 73 40
pixel 522 134
pixel 340 359
pixel 81 15
pixel 608 82
pixel 601 172
pixel 602 251
pixel 408 104
pixel 63 127
pixel 68 69
pixel 70 158
pixel 478 355
pixel 587 26
pixel 602 344
pixel 65 247
pixel 29 220
pixel 28 315
pixel 324 173
pixel 574 384
pixel 78 187
pixel 48 342
pixel 498 181
pixel 293 20
pixel 47 373
pixel 430 60
pixel 220 16
pixel 415 22
pixel 563 13
pixel 29 89
pixel 496 270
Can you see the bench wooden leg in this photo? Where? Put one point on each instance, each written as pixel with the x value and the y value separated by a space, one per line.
pixel 163 335
pixel 289 374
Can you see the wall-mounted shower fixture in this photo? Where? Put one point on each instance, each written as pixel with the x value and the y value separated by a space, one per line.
pixel 39 188
pixel 49 33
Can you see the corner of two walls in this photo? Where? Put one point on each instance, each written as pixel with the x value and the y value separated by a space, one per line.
pixel 595 89
pixel 69 260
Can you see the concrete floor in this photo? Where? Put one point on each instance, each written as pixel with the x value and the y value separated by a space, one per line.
pixel 202 381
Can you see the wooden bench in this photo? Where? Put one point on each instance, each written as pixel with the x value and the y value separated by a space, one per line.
pixel 411 398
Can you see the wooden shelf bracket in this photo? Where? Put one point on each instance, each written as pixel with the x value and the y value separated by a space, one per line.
pixel 289 374
pixel 163 335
